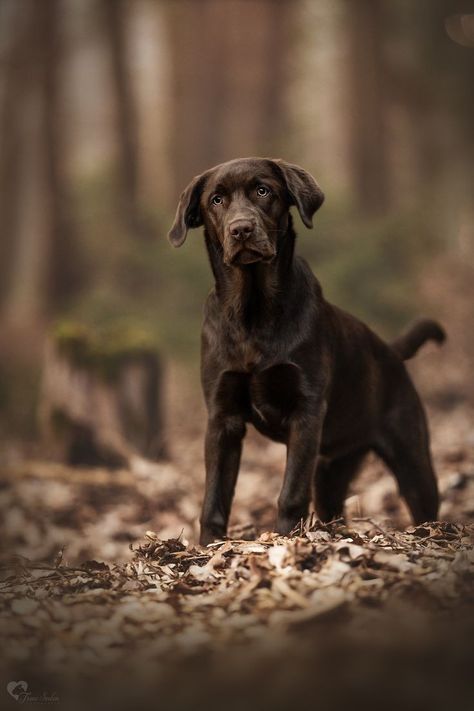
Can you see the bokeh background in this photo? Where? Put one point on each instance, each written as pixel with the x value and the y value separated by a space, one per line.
pixel 109 107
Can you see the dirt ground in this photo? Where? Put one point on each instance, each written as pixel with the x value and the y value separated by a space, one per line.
pixel 106 598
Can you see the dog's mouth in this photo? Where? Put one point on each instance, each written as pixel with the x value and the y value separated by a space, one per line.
pixel 249 254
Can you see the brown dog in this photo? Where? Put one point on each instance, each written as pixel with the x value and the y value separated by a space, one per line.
pixel 275 353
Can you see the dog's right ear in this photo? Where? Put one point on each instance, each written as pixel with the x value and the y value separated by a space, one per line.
pixel 188 214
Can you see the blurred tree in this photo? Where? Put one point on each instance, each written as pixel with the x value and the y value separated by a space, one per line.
pixel 446 67
pixel 14 67
pixel 228 63
pixel 115 23
pixel 368 138
pixel 43 265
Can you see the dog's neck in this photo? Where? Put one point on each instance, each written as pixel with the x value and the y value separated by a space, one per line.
pixel 253 295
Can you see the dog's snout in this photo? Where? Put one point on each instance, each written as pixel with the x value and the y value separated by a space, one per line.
pixel 242 229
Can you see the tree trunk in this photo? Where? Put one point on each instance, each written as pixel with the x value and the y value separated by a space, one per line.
pixel 65 276
pixel 101 411
pixel 14 68
pixel 115 27
pixel 44 268
pixel 367 114
pixel 227 82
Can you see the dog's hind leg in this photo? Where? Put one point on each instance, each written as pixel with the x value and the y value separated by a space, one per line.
pixel 403 444
pixel 331 484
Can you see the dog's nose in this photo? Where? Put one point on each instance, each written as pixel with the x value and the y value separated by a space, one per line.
pixel 242 229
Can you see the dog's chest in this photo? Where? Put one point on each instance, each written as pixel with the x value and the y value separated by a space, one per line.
pixel 266 397
pixel 249 355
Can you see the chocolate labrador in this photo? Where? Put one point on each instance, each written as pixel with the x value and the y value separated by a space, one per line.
pixel 276 354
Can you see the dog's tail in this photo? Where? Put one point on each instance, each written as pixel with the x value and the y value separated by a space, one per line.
pixel 414 337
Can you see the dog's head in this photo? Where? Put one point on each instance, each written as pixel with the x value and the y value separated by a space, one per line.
pixel 244 205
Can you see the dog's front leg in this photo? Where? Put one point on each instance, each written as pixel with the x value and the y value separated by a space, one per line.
pixel 302 453
pixel 222 455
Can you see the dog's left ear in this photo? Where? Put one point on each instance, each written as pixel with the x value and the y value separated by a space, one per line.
pixel 188 214
pixel 303 189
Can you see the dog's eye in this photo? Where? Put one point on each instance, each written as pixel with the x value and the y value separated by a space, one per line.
pixel 262 191
pixel 217 200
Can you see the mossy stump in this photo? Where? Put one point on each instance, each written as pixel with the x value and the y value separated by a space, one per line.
pixel 101 397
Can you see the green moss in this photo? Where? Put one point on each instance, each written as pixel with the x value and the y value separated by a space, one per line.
pixel 103 350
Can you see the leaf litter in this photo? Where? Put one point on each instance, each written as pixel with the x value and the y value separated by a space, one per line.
pixel 192 595
pixel 94 575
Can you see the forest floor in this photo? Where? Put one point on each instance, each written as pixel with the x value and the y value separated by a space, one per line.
pixel 107 598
